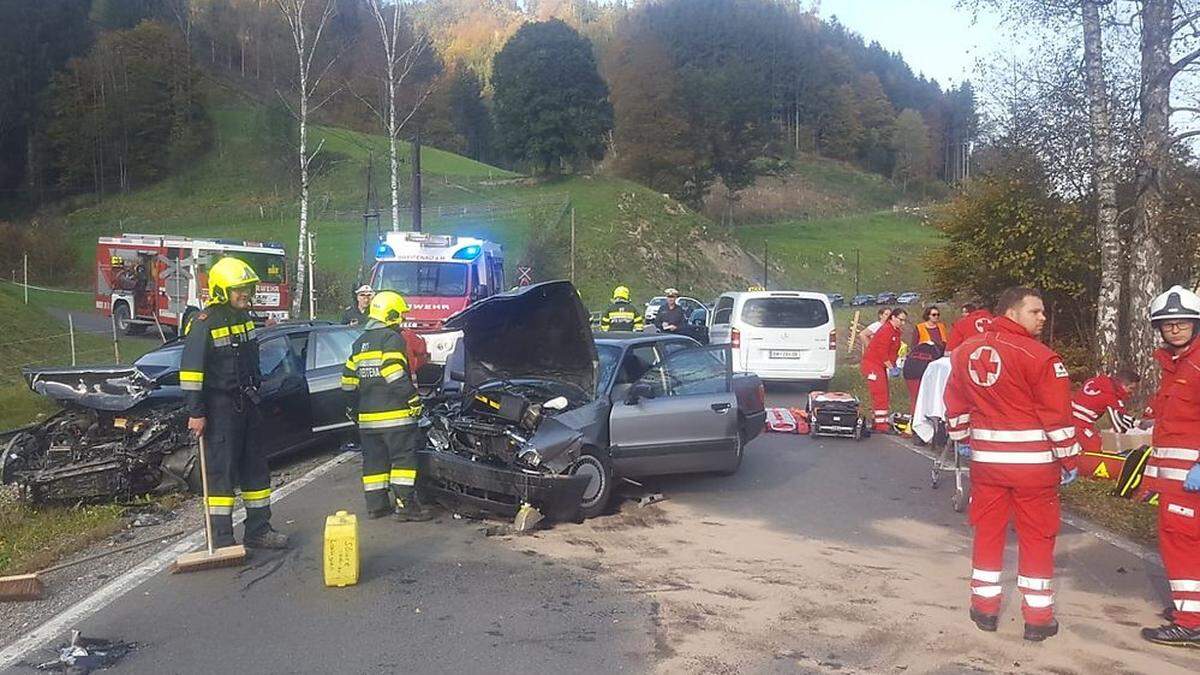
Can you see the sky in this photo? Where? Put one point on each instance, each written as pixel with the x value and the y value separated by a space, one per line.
pixel 934 36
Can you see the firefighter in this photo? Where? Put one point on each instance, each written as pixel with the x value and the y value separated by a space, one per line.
pixel 356 314
pixel 621 315
pixel 1174 467
pixel 878 362
pixel 1011 395
pixel 219 373
pixel 974 320
pixel 385 404
pixel 1099 395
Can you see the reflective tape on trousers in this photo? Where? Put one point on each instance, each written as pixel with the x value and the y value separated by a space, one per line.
pixel 1039 601
pixel 1034 583
pixel 987 576
pixel 994 457
pixel 1009 435
pixel 1185 454
pixel 1187 605
pixel 1186 585
pixel 1166 473
pixel 987 591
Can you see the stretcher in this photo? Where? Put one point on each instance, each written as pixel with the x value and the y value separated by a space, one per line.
pixel 835 414
pixel 948 460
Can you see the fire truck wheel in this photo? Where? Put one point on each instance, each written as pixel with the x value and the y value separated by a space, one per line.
pixel 122 318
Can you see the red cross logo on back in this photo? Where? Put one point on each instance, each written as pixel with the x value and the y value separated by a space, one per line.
pixel 984 366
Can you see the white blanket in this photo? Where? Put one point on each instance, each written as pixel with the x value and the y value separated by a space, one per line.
pixel 930 401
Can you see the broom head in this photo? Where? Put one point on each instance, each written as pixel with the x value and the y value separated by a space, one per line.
pixel 21 587
pixel 226 556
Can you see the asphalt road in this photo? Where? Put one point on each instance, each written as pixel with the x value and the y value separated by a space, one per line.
pixel 833 518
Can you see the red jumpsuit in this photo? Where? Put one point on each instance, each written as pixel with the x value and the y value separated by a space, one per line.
pixel 1176 413
pixel 883 349
pixel 1098 395
pixel 1011 395
pixel 972 324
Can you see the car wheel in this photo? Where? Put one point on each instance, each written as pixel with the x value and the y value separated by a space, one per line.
pixel 738 453
pixel 122 317
pixel 595 465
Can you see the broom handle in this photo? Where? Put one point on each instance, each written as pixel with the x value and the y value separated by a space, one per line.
pixel 114 551
pixel 208 534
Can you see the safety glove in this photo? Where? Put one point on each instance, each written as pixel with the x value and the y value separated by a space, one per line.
pixel 1069 476
pixel 964 450
pixel 1192 482
pixel 894 371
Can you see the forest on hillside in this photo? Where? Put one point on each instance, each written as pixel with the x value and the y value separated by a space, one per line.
pixel 103 96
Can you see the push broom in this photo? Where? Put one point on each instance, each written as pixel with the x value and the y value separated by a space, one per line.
pixel 31 587
pixel 226 556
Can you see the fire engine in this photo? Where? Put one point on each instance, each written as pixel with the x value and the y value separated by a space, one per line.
pixel 438 275
pixel 148 279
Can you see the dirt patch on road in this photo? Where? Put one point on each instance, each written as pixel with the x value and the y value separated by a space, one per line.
pixel 736 596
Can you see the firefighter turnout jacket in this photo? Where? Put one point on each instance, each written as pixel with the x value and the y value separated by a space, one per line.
pixel 1176 412
pixel 621 315
pixel 1011 395
pixel 220 354
pixel 1099 395
pixel 972 324
pixel 382 394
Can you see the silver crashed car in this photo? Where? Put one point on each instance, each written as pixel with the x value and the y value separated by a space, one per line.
pixel 550 415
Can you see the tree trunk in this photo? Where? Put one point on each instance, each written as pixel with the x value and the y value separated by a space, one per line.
pixel 1146 263
pixel 392 132
pixel 1108 235
pixel 302 246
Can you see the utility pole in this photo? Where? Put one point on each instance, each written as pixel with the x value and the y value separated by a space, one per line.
pixel 416 182
pixel 856 269
pixel 764 265
pixel 677 267
pixel 572 244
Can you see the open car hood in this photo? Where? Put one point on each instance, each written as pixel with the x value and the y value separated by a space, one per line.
pixel 538 332
pixel 111 388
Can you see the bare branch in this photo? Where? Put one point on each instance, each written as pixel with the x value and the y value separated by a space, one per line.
pixel 1184 136
pixel 1195 111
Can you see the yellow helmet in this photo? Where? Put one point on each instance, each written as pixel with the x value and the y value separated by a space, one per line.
pixel 621 293
pixel 226 274
pixel 388 308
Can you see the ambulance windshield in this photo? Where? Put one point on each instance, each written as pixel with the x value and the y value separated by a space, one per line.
pixel 423 279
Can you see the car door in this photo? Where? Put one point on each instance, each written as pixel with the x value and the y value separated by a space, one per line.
pixel 685 421
pixel 283 406
pixel 327 353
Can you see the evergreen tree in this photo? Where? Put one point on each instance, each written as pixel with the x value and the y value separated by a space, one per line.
pixel 469 114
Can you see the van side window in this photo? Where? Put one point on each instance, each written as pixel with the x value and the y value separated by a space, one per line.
pixel 723 311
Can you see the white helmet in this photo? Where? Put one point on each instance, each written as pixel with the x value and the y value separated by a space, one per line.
pixel 1176 303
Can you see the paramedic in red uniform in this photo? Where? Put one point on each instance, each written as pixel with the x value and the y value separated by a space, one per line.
pixel 974 320
pixel 1099 395
pixel 1011 395
pixel 1174 467
pixel 877 361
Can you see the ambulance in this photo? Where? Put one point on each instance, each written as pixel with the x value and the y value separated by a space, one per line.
pixel 438 275
pixel 149 280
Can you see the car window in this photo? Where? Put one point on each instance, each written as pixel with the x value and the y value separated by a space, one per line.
pixel 668 347
pixel 636 362
pixel 159 360
pixel 275 358
pixel 785 313
pixel 608 355
pixel 332 347
pixel 689 372
pixel 724 310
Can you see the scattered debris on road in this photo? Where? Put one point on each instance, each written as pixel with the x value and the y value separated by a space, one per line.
pixel 84 654
pixel 652 498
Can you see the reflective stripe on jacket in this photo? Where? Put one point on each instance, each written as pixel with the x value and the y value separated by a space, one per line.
pixel 621 315
pixel 220 353
pixel 377 379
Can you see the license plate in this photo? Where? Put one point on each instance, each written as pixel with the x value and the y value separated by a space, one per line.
pixel 785 353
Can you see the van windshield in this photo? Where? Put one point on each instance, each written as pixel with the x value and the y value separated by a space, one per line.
pixel 424 279
pixel 785 313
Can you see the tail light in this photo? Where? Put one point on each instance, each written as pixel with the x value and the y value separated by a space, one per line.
pixel 735 338
pixel 833 340
pixel 762 394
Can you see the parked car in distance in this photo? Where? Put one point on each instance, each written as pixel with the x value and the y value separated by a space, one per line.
pixel 862 300
pixel 689 305
pixel 786 336
pixel 885 298
pixel 836 299
pixel 908 298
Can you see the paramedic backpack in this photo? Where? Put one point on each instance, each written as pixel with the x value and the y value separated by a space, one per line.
pixel 919 359
pixel 1131 474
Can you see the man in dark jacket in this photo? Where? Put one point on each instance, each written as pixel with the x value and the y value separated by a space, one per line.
pixel 671 318
pixel 356 314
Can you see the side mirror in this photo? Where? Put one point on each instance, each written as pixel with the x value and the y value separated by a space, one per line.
pixel 637 392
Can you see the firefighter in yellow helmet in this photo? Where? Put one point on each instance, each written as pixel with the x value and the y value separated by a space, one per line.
pixel 220 377
pixel 621 314
pixel 383 401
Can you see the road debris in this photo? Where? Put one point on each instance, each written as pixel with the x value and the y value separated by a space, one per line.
pixel 652 498
pixel 84 654
pixel 527 518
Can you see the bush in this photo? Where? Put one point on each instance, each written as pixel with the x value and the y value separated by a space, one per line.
pixel 44 238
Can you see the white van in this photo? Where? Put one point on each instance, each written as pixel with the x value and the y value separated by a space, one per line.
pixel 781 336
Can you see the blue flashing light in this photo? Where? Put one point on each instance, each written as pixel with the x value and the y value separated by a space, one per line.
pixel 468 252
pixel 384 251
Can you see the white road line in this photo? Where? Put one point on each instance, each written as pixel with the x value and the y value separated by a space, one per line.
pixel 1133 548
pixel 110 592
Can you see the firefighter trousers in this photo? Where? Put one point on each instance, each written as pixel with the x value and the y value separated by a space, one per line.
pixel 1179 544
pixel 877 384
pixel 1036 511
pixel 389 461
pixel 234 462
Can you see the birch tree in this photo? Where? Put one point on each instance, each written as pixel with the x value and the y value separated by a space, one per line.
pixel 399 61
pixel 306 36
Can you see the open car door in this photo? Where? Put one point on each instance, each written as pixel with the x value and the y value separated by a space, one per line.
pixel 681 416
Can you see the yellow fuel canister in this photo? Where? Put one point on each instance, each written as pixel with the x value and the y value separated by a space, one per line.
pixel 341 549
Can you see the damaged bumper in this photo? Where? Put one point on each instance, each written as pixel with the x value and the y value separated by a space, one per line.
pixel 458 481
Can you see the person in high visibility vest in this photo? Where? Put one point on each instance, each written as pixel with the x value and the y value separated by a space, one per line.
pixel 621 315
pixel 385 404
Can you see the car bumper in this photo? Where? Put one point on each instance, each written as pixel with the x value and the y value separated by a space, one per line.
pixel 455 480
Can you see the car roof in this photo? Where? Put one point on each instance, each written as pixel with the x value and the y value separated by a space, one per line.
pixel 810 295
pixel 623 338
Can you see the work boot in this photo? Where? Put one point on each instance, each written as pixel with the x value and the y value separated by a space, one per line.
pixel 1173 635
pixel 380 513
pixel 1035 633
pixel 268 538
pixel 985 622
pixel 410 510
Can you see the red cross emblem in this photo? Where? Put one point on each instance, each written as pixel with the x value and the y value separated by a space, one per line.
pixel 984 366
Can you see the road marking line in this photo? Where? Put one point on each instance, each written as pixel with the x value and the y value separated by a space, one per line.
pixel 110 592
pixel 1133 548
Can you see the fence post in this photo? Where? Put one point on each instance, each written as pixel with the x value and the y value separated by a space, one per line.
pixel 71 327
pixel 25 264
pixel 116 344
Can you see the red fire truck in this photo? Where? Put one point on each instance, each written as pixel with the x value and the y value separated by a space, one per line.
pixel 438 275
pixel 148 279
